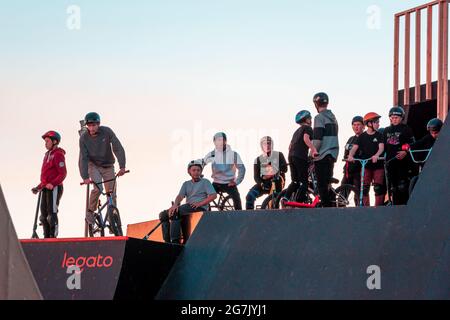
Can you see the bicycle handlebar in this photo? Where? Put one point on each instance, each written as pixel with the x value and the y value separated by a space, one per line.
pixel 92 182
pixel 412 152
pixel 363 160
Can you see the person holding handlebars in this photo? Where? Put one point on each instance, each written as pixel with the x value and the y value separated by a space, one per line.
pixel 98 146
pixel 398 162
pixel 371 146
pixel 53 174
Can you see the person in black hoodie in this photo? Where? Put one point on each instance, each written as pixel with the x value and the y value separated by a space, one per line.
pixel 398 165
pixel 434 127
pixel 424 146
pixel 352 170
pixel 299 148
pixel 268 166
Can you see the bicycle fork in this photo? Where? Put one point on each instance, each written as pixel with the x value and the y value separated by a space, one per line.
pixel 363 172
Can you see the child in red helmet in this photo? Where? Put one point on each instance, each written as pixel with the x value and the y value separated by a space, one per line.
pixel 53 174
pixel 371 146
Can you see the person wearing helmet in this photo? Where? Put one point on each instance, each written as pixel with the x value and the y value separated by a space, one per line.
pixel 225 163
pixel 398 165
pixel 53 174
pixel 352 170
pixel 98 146
pixel 371 146
pixel 326 142
pixel 434 127
pixel 198 192
pixel 268 167
pixel 299 148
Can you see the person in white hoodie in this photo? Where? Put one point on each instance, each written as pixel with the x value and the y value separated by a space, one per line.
pixel 225 163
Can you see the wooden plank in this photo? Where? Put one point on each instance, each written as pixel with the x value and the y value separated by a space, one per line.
pixel 429 88
pixel 418 55
pixel 407 100
pixel 440 60
pixel 140 230
pixel 421 7
pixel 444 105
pixel 396 58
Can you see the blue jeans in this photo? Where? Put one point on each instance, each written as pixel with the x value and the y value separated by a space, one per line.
pixel 171 228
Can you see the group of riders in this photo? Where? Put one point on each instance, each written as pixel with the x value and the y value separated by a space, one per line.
pixel 316 140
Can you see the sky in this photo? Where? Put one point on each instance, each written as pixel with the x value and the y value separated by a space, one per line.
pixel 167 75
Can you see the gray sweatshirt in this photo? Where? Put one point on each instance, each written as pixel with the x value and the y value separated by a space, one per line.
pixel 224 166
pixel 325 138
pixel 98 150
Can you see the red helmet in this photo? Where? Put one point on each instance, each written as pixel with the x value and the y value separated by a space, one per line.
pixel 371 116
pixel 53 135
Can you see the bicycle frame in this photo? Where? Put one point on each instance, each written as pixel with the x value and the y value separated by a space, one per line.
pixel 109 201
pixel 273 188
pixel 216 203
pixel 364 163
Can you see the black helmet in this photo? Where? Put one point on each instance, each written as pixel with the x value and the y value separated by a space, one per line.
pixel 397 111
pixel 321 98
pixel 220 135
pixel 358 119
pixel 435 125
pixel 302 116
pixel 92 117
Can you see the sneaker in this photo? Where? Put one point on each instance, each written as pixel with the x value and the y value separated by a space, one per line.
pixel 90 217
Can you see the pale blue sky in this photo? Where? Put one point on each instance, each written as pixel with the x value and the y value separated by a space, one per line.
pixel 165 75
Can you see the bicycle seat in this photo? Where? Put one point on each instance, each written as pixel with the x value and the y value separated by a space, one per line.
pixel 334 181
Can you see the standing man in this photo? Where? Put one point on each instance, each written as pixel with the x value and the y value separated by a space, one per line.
pixel 352 170
pixel 53 173
pixel 299 148
pixel 326 142
pixel 395 136
pixel 225 163
pixel 97 146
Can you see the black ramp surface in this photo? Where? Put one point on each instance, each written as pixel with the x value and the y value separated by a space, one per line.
pixel 324 253
pixel 111 268
pixel 16 279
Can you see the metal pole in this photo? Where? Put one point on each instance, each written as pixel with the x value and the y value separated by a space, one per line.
pixel 87 208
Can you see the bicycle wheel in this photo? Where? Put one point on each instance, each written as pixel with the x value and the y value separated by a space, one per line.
pixel 227 204
pixel 277 203
pixel 269 203
pixel 345 195
pixel 96 229
pixel 115 225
